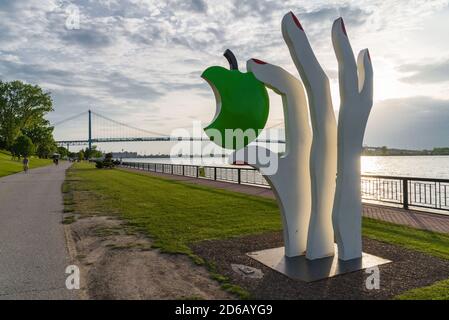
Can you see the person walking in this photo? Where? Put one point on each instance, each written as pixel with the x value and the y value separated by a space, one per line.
pixel 25 164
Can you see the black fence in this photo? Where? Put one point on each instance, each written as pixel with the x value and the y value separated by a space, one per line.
pixel 398 191
pixel 407 191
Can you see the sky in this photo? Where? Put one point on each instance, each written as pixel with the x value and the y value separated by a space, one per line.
pixel 140 62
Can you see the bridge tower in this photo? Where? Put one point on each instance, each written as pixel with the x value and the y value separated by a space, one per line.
pixel 90 130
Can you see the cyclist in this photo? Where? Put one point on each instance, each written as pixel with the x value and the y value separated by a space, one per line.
pixel 25 164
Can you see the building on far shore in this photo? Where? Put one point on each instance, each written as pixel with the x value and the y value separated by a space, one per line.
pixel 124 155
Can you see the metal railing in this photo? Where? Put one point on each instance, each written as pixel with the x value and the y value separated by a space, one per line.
pixel 407 191
pixel 390 190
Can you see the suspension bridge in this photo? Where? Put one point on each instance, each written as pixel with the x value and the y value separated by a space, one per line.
pixel 102 129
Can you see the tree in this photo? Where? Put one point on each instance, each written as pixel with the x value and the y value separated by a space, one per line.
pixel 440 151
pixel 93 153
pixel 44 150
pixel 63 152
pixel 81 155
pixel 23 146
pixel 21 106
pixel 41 134
pixel 107 162
pixel 14 151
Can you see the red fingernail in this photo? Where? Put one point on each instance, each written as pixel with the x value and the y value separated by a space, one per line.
pixel 343 26
pixel 298 24
pixel 259 61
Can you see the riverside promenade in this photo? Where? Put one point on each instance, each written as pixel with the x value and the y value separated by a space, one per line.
pixel 33 253
pixel 412 218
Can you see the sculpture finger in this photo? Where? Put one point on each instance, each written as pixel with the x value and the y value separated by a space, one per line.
pixel 298 133
pixel 347 68
pixel 274 77
pixel 365 70
pixel 310 70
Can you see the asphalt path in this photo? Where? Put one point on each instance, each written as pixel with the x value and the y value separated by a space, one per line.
pixel 33 251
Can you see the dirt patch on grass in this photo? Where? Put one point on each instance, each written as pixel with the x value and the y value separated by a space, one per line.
pixel 409 269
pixel 118 262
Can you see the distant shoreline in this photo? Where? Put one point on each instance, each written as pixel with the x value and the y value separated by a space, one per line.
pixel 385 151
pixel 208 156
pixel 367 151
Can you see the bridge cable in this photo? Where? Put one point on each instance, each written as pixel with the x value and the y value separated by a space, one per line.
pixel 68 119
pixel 129 126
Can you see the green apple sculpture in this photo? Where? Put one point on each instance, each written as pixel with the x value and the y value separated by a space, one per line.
pixel 242 103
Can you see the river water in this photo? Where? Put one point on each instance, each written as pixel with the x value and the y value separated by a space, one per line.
pixel 409 166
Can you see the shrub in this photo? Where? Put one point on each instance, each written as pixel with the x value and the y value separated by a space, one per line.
pixel 107 162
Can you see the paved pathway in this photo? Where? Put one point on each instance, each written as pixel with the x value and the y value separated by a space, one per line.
pixel 33 253
pixel 415 219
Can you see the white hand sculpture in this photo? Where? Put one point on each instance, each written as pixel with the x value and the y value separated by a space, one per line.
pixel 323 159
pixel 292 190
pixel 306 194
pixel 356 96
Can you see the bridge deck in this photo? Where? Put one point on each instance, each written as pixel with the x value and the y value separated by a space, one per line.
pixel 411 218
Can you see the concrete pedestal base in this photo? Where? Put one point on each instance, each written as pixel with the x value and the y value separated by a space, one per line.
pixel 312 270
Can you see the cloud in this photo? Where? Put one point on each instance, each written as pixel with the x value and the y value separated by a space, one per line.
pixel 193 5
pixel 416 123
pixel 136 59
pixel 90 38
pixel 32 73
pixel 8 5
pixel 114 84
pixel 260 9
pixel 426 73
pixel 354 16
pixel 121 86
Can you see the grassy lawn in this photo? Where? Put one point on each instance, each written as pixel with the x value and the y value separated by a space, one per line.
pixel 176 214
pixel 8 166
pixel 437 291
pixel 433 243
